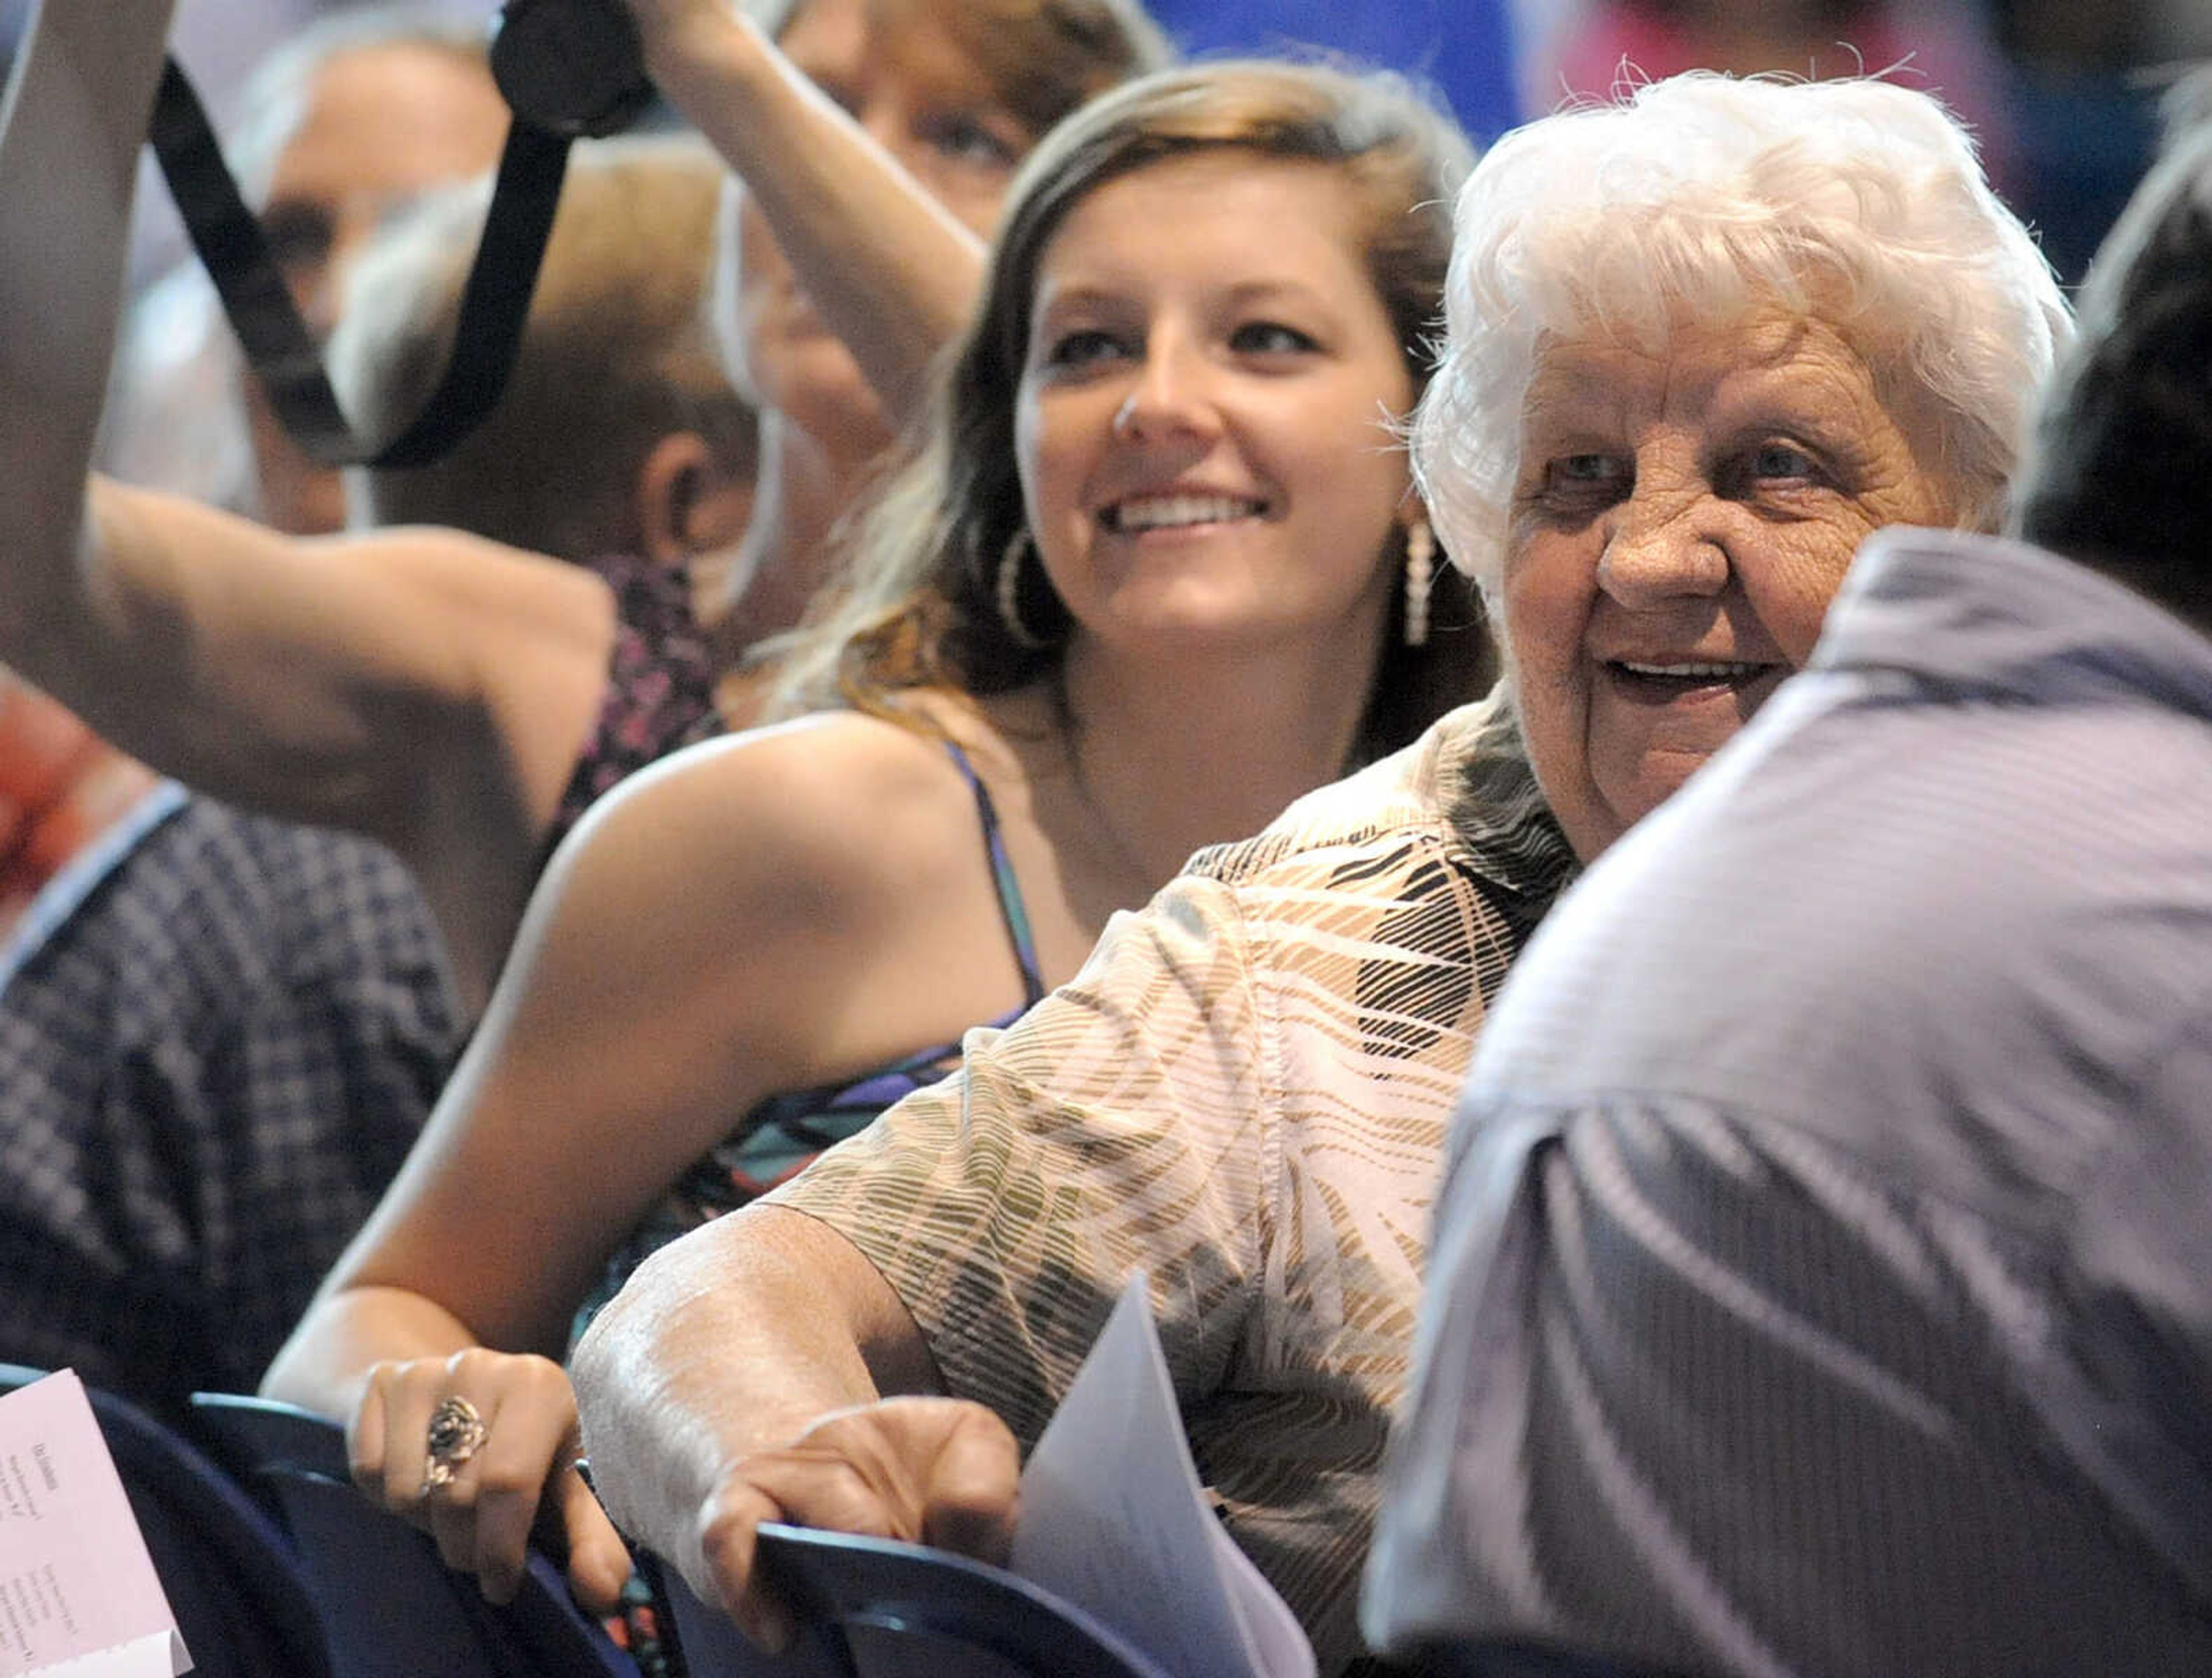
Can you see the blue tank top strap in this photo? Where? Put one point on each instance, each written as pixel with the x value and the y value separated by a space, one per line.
pixel 1002 874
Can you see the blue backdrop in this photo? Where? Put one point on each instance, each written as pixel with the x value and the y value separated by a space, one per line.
pixel 1463 47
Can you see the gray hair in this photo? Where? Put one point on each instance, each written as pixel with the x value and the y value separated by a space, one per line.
pixel 1700 197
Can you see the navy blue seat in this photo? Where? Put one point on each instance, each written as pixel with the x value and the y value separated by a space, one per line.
pixel 231 1576
pixel 390 1606
pixel 1518 1657
pixel 870 1607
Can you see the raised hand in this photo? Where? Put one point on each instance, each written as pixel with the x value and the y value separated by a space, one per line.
pixel 503 1457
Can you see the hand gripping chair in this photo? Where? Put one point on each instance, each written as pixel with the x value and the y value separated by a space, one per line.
pixel 390 1608
pixel 871 1607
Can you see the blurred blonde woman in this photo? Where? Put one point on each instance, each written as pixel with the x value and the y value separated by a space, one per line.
pixel 450 695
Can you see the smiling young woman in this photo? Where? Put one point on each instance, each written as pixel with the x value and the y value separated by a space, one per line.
pixel 748 950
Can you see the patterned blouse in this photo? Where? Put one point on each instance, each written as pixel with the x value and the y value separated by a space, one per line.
pixel 1245 1091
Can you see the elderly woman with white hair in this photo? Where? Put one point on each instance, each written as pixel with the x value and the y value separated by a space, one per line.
pixel 1701 345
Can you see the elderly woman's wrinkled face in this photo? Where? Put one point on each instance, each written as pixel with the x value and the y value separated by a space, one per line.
pixel 1680 522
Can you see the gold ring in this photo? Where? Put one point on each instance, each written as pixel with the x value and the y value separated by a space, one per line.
pixel 457 1432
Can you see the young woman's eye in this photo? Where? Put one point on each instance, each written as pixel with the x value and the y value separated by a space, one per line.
pixel 1082 348
pixel 969 140
pixel 1270 338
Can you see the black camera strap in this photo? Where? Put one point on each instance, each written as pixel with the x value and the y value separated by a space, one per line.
pixel 567 68
pixel 495 303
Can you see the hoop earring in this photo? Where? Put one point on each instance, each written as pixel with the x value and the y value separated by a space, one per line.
pixel 1420 576
pixel 1009 583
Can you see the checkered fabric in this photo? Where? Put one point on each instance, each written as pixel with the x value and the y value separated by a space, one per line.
pixel 218 1038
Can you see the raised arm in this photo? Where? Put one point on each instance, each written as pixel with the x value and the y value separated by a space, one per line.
pixel 423 688
pixel 69 158
pixel 893 273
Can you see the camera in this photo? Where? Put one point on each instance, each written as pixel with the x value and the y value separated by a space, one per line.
pixel 574 68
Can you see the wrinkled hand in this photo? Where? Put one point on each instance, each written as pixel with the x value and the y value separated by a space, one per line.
pixel 939 1471
pixel 525 1469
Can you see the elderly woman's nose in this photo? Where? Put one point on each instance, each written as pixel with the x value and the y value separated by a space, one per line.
pixel 1652 557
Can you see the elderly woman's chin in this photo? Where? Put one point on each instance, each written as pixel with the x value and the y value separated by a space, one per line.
pixel 1632 765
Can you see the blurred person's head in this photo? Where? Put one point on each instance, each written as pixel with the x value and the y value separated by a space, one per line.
pixel 175 418
pixel 958 91
pixel 618 431
pixel 343 125
pixel 1170 422
pixel 2120 474
pixel 1698 343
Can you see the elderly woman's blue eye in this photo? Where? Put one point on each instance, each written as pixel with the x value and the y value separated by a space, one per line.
pixel 1782 460
pixel 1588 469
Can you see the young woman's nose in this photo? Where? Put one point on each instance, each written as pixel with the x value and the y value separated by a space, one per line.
pixel 1169 401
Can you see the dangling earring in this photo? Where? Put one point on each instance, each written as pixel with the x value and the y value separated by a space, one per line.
pixel 1420 574
pixel 1009 583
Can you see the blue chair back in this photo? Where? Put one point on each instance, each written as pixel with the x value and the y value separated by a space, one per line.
pixel 231 1576
pixel 871 1607
pixel 390 1607
pixel 1518 1657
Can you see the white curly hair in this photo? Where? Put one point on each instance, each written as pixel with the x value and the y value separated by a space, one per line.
pixel 1701 197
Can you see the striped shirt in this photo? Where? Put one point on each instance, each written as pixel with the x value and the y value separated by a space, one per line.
pixel 1824 1281
pixel 1244 1091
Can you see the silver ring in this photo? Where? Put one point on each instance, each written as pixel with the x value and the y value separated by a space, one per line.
pixel 457 1433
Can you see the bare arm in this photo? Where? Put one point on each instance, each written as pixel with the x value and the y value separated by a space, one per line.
pixel 68 163
pixel 613 1053
pixel 894 274
pixel 422 687
pixel 718 930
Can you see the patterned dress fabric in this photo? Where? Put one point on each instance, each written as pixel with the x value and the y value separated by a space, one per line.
pixel 660 685
pixel 1823 1283
pixel 1244 1091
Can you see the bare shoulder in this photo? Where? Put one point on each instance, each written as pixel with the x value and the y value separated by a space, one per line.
pixel 825 818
